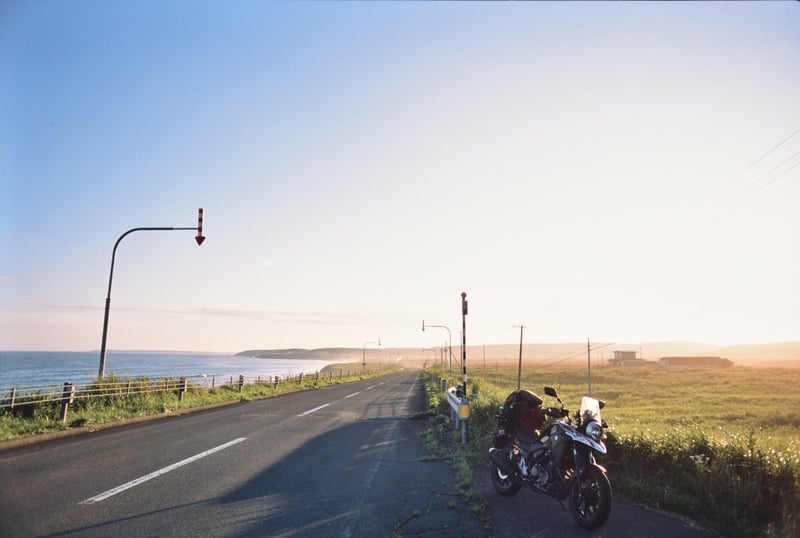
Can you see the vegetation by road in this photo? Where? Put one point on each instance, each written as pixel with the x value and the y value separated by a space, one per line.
pixel 718 446
pixel 29 419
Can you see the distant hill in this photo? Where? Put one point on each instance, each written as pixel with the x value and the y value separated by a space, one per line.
pixel 328 353
pixel 781 354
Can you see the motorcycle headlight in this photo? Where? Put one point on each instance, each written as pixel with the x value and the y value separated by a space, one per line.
pixel 594 430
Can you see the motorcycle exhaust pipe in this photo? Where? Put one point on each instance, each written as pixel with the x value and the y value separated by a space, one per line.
pixel 500 459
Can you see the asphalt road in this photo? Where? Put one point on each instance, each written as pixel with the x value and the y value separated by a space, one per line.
pixel 342 461
pixel 535 515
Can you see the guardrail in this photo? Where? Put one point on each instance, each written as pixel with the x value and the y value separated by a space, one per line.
pixel 459 406
pixel 66 394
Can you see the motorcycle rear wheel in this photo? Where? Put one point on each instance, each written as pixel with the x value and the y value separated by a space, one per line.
pixel 503 483
pixel 590 498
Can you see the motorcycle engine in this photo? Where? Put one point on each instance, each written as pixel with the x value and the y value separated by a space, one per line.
pixel 541 476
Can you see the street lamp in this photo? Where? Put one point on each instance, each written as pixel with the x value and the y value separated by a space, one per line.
pixel 450 335
pixel 199 238
pixel 364 353
pixel 436 359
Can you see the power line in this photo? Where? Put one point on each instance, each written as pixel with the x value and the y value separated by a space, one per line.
pixel 773 180
pixel 752 165
pixel 580 353
pixel 770 173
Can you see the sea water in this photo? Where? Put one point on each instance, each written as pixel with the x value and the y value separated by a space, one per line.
pixel 48 368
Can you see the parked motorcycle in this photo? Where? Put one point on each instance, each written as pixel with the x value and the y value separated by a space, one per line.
pixel 559 461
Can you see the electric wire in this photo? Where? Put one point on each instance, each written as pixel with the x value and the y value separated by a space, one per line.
pixel 754 163
pixel 760 178
pixel 579 353
pixel 773 180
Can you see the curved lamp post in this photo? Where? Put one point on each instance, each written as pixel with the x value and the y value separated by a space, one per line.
pixel 199 238
pixel 364 353
pixel 450 335
pixel 436 359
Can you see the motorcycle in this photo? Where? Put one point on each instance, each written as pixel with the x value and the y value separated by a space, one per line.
pixel 560 461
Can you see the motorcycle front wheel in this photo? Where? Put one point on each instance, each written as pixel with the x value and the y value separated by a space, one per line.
pixel 590 498
pixel 503 483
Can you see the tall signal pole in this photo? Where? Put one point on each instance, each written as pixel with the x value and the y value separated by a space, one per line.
pixel 464 341
pixel 519 367
pixel 589 360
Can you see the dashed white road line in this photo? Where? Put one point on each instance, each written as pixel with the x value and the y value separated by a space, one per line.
pixel 119 489
pixel 312 410
pixel 351 395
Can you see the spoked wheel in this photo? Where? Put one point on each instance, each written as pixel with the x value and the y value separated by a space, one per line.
pixel 503 483
pixel 590 498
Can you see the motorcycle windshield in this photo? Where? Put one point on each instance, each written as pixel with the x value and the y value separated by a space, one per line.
pixel 590 410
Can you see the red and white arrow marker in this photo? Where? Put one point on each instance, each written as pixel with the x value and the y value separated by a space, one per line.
pixel 200 237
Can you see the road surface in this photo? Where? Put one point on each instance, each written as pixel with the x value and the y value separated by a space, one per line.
pixel 336 462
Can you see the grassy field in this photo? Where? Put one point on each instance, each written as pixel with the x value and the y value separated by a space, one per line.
pixel 721 446
pixel 658 400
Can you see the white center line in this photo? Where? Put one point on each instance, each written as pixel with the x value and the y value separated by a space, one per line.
pixel 312 410
pixel 145 478
pixel 351 395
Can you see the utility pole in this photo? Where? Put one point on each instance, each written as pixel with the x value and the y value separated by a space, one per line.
pixel 519 367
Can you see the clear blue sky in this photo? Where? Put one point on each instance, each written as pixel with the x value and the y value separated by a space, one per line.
pixel 589 170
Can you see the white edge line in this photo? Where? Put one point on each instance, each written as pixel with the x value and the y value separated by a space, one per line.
pixel 312 410
pixel 140 480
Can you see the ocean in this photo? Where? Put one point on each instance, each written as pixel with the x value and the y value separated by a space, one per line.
pixel 28 369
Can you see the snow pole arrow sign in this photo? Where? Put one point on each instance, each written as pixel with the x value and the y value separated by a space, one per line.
pixel 200 237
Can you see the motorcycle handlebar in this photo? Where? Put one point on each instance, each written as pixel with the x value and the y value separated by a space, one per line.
pixel 555 412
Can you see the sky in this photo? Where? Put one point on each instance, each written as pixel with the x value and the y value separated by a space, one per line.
pixel 624 172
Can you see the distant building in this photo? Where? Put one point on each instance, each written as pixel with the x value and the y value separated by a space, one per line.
pixel 694 362
pixel 625 359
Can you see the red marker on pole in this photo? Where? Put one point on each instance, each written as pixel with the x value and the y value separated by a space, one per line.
pixel 200 238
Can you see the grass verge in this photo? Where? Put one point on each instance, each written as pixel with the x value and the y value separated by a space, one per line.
pixel 27 420
pixel 443 443
pixel 737 483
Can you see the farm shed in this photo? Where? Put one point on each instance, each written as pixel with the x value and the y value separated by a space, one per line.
pixel 624 359
pixel 694 362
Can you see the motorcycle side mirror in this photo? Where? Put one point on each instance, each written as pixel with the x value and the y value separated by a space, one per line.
pixel 550 391
pixel 602 403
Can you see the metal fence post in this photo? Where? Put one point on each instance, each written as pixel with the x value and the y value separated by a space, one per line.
pixel 182 388
pixel 67 397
